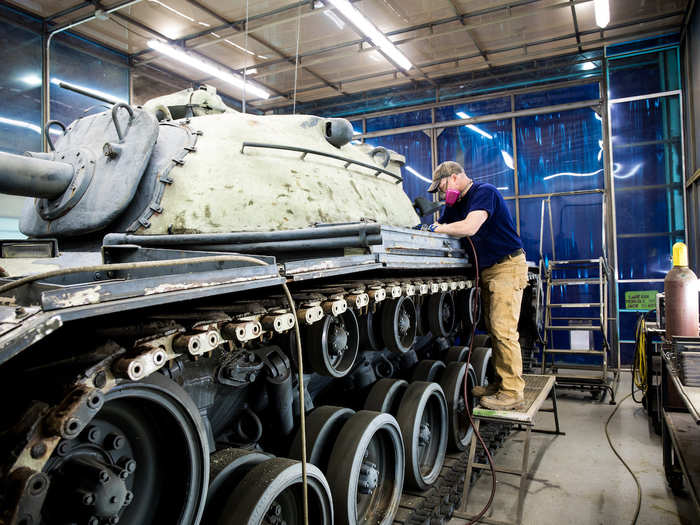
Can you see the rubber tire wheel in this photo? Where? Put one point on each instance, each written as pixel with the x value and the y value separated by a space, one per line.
pixel 173 398
pixel 227 467
pixel 385 395
pixel 453 387
pixel 346 461
pixel 390 316
pixel 482 340
pixel 481 361
pixel 323 425
pixel 409 416
pixel 456 354
pixel 427 370
pixel 437 324
pixel 250 500
pixel 317 337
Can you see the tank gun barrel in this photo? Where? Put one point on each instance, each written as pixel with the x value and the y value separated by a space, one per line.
pixel 33 177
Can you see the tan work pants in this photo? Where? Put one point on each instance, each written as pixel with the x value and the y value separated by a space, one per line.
pixel 501 294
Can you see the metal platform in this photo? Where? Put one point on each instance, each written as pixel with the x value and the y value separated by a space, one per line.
pixel 537 389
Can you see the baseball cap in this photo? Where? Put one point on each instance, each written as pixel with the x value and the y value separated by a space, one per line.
pixel 444 170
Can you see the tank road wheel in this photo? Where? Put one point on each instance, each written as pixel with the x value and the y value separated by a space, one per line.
pixel 422 417
pixel 333 344
pixel 483 368
pixel 271 493
pixel 399 324
pixel 482 340
pixel 441 314
pixel 371 330
pixel 366 469
pixel 322 428
pixel 452 383
pixel 427 370
pixel 456 354
pixel 385 395
pixel 147 436
pixel 228 466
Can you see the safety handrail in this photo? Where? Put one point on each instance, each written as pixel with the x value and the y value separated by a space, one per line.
pixel 307 151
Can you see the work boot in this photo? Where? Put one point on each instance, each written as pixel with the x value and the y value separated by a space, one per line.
pixel 503 400
pixel 488 390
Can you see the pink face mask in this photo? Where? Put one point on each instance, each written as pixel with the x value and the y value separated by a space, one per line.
pixel 451 197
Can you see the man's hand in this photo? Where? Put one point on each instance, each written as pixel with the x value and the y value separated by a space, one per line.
pixel 426 227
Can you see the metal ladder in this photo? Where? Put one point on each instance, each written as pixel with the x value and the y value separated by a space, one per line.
pixel 586 317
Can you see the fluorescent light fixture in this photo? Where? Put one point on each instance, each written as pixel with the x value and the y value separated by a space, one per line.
pixel 31 80
pixel 418 175
pixel 602 12
pixel 508 159
pixel 89 91
pixel 208 68
pixel 335 18
pixel 204 24
pixel 251 71
pixel 239 47
pixel 183 15
pixel 369 30
pixel 462 114
pixel 502 188
pixel 27 125
pixel 587 66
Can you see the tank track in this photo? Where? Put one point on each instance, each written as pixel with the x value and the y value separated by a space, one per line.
pixel 436 505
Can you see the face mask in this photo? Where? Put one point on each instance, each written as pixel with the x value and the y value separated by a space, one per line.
pixel 451 197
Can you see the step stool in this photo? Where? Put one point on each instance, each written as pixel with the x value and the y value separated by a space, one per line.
pixel 537 389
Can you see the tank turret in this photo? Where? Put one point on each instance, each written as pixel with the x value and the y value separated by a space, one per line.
pixel 186 163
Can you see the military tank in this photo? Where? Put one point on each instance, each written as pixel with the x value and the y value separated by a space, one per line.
pixel 195 279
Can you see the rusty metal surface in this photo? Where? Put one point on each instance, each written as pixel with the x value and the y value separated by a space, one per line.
pixel 28 333
pixel 329 266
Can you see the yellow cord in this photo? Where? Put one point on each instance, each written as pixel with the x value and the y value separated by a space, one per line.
pixel 639 372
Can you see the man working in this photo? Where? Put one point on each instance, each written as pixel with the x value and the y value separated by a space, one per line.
pixel 477 210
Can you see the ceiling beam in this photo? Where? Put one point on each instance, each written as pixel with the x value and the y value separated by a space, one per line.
pixel 262 42
pixel 574 19
pixel 549 52
pixel 428 36
pixel 152 31
pixel 68 11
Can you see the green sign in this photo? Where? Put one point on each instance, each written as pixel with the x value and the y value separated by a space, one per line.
pixel 641 300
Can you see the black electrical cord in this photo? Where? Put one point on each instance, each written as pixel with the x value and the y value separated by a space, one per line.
pixel 492 466
pixel 636 480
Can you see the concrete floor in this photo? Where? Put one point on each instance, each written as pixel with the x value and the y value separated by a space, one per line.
pixel 577 479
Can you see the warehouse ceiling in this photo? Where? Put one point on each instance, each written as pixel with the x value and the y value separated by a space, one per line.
pixel 439 37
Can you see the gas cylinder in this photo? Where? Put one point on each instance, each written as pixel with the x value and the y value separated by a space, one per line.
pixel 681 290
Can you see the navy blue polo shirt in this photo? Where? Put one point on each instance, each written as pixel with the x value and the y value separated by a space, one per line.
pixel 497 237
